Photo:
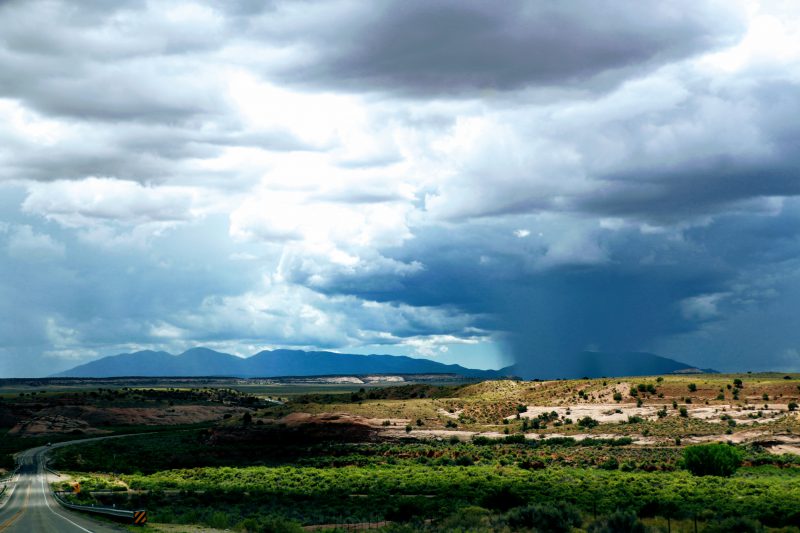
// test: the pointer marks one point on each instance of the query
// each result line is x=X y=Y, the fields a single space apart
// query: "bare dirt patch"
x=43 y=426
x=448 y=414
x=745 y=416
x=603 y=413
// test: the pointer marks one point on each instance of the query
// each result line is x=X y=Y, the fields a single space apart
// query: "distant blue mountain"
x=281 y=363
x=276 y=363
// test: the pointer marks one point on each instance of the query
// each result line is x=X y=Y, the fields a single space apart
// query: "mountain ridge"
x=198 y=362
x=201 y=361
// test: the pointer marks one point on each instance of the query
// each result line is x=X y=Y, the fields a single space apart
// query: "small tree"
x=792 y=406
x=712 y=459
x=617 y=397
x=692 y=387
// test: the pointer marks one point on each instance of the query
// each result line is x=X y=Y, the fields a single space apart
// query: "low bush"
x=712 y=459
x=556 y=518
x=619 y=522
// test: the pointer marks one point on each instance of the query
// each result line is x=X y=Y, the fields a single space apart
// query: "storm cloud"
x=477 y=183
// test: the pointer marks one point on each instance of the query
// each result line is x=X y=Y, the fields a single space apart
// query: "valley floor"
x=489 y=456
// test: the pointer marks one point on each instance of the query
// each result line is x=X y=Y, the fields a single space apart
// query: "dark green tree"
x=712 y=459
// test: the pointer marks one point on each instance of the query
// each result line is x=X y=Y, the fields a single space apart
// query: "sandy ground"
x=778 y=444
x=785 y=448
x=613 y=412
x=713 y=413
x=448 y=414
x=602 y=412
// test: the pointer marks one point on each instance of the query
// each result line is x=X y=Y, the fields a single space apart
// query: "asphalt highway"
x=28 y=506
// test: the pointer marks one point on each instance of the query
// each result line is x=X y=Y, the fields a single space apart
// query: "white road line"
x=47 y=503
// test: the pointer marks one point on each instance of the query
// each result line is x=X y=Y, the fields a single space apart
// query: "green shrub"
x=737 y=524
x=556 y=518
x=692 y=387
x=619 y=522
x=712 y=459
x=502 y=499
x=472 y=518
x=219 y=520
x=610 y=464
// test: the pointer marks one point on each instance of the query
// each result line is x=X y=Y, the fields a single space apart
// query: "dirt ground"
x=613 y=412
x=90 y=420
x=602 y=412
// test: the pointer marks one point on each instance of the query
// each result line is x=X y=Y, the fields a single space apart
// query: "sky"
x=473 y=182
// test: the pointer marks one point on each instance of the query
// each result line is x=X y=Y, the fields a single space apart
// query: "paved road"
x=29 y=507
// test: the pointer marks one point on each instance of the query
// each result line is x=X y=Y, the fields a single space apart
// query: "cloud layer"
x=472 y=182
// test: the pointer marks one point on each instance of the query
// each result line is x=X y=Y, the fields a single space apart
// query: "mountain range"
x=282 y=363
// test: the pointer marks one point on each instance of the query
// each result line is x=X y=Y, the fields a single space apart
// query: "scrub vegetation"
x=491 y=456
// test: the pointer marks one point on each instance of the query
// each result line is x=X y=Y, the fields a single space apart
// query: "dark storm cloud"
x=722 y=178
x=673 y=194
x=640 y=294
x=455 y=47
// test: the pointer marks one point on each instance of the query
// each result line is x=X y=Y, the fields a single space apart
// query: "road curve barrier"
x=138 y=517
x=10 y=475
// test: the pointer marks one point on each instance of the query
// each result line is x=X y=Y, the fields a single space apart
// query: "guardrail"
x=138 y=517
x=10 y=475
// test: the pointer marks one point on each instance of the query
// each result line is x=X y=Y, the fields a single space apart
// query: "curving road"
x=29 y=507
